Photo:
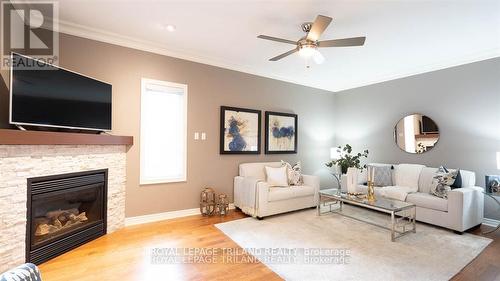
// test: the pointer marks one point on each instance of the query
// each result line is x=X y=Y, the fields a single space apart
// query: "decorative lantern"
x=207 y=202
x=222 y=205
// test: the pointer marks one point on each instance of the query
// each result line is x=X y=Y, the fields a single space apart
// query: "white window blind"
x=163 y=132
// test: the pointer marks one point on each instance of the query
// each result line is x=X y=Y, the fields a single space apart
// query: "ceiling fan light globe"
x=306 y=51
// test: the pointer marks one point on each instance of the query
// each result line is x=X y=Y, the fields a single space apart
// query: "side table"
x=492 y=196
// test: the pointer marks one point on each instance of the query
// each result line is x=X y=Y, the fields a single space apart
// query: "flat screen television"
x=428 y=126
x=49 y=96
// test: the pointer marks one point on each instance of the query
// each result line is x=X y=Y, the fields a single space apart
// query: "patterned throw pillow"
x=294 y=173
x=383 y=174
x=442 y=181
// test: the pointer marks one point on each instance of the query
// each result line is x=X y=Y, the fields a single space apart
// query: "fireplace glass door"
x=64 y=211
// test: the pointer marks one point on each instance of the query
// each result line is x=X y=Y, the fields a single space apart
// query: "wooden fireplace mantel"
x=12 y=137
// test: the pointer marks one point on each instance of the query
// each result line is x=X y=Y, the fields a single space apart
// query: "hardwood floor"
x=123 y=255
x=486 y=267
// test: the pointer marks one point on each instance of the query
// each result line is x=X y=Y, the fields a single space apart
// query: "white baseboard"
x=164 y=216
x=491 y=222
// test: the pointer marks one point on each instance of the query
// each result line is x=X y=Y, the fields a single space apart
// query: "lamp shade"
x=498 y=160
x=334 y=153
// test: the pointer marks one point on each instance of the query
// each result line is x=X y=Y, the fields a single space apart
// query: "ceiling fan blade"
x=318 y=27
x=346 y=42
x=284 y=54
x=277 y=39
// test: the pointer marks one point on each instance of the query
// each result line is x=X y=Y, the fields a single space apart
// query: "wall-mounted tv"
x=50 y=96
x=428 y=126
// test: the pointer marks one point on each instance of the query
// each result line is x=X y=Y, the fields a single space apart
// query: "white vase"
x=352 y=180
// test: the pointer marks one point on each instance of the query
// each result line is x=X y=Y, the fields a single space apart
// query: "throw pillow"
x=294 y=173
x=458 y=181
x=277 y=176
x=442 y=181
x=407 y=175
x=382 y=174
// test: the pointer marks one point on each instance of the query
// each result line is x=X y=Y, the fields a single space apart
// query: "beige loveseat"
x=254 y=196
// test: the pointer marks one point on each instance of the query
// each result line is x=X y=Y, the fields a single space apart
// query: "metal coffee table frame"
x=400 y=217
x=492 y=195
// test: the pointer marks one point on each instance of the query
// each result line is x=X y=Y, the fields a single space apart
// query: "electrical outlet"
x=203 y=136
x=196 y=136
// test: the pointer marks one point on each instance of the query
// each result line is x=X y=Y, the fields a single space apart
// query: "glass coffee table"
x=403 y=214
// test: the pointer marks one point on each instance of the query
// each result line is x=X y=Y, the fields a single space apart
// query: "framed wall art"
x=239 y=130
x=281 y=133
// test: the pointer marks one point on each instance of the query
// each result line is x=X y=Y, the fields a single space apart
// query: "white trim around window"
x=163 y=139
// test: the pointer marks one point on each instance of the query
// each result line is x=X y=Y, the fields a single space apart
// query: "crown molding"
x=152 y=47
x=475 y=57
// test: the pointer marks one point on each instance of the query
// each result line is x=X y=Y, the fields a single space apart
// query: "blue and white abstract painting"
x=282 y=133
x=241 y=131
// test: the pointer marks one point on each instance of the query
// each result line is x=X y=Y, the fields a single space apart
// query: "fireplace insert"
x=64 y=212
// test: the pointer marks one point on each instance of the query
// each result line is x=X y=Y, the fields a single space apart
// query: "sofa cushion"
x=256 y=170
x=458 y=181
x=382 y=174
x=442 y=182
x=285 y=193
x=276 y=176
x=468 y=178
x=408 y=175
x=364 y=189
x=395 y=192
x=428 y=201
x=24 y=272
x=294 y=173
x=425 y=179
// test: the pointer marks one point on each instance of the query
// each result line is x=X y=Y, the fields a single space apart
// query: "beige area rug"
x=430 y=254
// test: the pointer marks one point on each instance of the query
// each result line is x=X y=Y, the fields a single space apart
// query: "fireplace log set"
x=55 y=221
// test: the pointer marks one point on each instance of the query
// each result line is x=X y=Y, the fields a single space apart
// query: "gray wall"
x=464 y=101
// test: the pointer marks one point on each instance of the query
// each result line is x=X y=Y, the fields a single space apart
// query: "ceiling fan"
x=308 y=45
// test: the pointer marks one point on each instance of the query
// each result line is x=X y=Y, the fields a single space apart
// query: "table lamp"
x=335 y=153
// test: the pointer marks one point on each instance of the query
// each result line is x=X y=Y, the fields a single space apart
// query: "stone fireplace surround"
x=19 y=162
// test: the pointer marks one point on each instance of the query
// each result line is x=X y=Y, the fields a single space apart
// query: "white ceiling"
x=403 y=37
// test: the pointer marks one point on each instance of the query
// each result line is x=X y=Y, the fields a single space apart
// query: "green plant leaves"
x=347 y=160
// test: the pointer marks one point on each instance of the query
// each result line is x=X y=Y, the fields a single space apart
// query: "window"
x=163 y=132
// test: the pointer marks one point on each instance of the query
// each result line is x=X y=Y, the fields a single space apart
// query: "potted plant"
x=347 y=160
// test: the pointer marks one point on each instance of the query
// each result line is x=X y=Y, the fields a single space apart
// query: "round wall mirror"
x=416 y=133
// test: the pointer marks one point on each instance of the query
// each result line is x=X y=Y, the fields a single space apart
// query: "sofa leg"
x=260 y=218
x=458 y=232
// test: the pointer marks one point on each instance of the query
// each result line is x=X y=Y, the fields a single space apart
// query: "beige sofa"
x=463 y=209
x=254 y=196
